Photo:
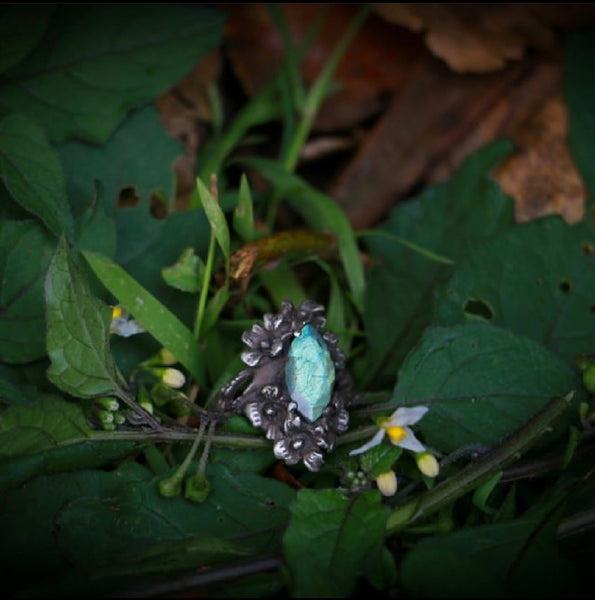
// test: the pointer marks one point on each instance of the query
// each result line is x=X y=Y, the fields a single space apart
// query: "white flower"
x=396 y=426
x=122 y=324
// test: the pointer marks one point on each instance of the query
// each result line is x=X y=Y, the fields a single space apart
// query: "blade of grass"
x=153 y=316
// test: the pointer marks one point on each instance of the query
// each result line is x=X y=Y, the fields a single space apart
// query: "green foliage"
x=77 y=332
x=443 y=219
x=25 y=251
x=480 y=382
x=333 y=539
x=488 y=323
x=94 y=63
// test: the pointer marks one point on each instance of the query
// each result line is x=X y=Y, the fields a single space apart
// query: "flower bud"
x=108 y=403
x=197 y=488
x=387 y=483
x=427 y=464
x=166 y=357
x=173 y=378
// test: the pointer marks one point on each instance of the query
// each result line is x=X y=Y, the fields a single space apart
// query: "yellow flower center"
x=116 y=312
x=397 y=434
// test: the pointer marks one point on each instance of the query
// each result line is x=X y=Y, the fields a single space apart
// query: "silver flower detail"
x=261 y=393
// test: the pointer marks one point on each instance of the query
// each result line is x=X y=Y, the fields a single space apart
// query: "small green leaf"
x=321 y=213
x=243 y=217
x=96 y=62
x=78 y=332
x=155 y=318
x=21 y=28
x=481 y=383
x=186 y=274
x=26 y=248
x=482 y=493
x=331 y=540
x=215 y=216
x=33 y=175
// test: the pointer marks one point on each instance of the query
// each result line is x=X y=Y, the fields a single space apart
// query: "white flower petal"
x=407 y=415
x=370 y=444
x=411 y=442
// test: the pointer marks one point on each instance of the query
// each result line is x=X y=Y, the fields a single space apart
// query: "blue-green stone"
x=310 y=373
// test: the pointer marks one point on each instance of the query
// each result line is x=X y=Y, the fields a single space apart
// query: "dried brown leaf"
x=480 y=38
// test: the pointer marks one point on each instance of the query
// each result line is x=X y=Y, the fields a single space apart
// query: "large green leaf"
x=153 y=316
x=399 y=294
x=480 y=382
x=78 y=332
x=537 y=279
x=110 y=524
x=25 y=251
x=97 y=61
x=32 y=173
x=331 y=540
x=49 y=435
x=579 y=94
x=518 y=559
x=21 y=30
x=139 y=155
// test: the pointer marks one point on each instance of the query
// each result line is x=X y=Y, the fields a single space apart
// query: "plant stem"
x=476 y=473
x=204 y=290
x=319 y=90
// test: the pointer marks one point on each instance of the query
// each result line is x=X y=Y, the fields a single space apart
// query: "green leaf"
x=49 y=435
x=30 y=552
x=102 y=525
x=32 y=173
x=480 y=382
x=153 y=316
x=321 y=213
x=243 y=217
x=518 y=559
x=25 y=251
x=186 y=274
x=78 y=332
x=444 y=219
x=21 y=28
x=538 y=279
x=331 y=540
x=139 y=156
x=579 y=95
x=215 y=216
x=96 y=62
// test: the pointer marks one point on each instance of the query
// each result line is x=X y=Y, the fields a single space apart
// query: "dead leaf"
x=541 y=175
x=184 y=110
x=377 y=62
x=479 y=38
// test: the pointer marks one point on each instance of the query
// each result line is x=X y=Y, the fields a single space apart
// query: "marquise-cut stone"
x=310 y=373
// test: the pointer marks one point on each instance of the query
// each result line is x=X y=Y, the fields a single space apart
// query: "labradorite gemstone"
x=309 y=373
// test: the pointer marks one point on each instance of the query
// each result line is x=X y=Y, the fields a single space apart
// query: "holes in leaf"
x=565 y=286
x=128 y=197
x=588 y=248
x=476 y=308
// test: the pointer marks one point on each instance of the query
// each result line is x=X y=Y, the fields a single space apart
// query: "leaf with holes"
x=401 y=284
x=537 y=279
x=97 y=61
x=481 y=383
x=137 y=159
